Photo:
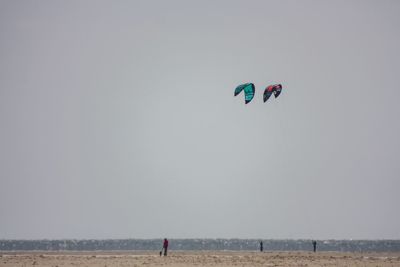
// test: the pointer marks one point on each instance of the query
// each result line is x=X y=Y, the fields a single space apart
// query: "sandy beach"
x=194 y=258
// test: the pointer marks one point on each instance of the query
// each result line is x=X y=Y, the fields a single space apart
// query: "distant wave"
x=201 y=244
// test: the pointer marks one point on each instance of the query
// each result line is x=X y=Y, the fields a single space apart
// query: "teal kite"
x=248 y=89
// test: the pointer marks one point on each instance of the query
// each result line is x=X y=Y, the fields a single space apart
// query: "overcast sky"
x=117 y=119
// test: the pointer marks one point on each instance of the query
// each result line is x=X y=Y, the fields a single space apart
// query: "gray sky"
x=118 y=119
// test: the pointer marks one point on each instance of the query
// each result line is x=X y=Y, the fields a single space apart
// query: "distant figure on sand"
x=165 y=246
x=261 y=246
x=314 y=243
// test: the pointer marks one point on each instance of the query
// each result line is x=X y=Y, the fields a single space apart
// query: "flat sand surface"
x=197 y=258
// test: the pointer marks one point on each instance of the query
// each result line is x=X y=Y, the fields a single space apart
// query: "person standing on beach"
x=261 y=246
x=165 y=246
x=314 y=243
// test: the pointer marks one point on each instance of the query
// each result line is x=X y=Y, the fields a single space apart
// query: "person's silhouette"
x=165 y=246
x=314 y=243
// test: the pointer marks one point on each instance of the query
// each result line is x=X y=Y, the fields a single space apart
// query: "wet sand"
x=195 y=258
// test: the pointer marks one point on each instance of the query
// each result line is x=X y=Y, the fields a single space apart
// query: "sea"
x=201 y=244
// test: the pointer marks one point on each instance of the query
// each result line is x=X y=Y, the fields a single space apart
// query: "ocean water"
x=201 y=244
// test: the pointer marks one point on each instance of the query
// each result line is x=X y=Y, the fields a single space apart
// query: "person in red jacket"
x=165 y=246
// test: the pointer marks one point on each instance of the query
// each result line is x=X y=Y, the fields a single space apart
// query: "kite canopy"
x=275 y=89
x=248 y=89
